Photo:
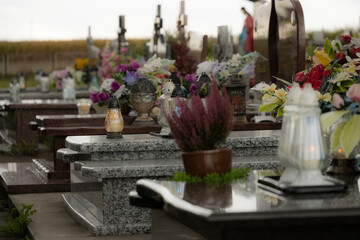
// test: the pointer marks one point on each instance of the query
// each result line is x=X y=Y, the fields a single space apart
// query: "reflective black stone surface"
x=231 y=211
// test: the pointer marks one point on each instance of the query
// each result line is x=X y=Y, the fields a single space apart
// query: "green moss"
x=213 y=179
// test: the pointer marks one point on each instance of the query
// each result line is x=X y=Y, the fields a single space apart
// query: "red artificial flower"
x=315 y=76
x=341 y=57
x=353 y=51
x=300 y=78
x=345 y=38
x=326 y=73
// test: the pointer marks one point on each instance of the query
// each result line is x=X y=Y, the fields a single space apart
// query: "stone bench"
x=106 y=210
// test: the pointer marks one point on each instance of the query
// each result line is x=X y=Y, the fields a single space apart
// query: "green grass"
x=5 y=81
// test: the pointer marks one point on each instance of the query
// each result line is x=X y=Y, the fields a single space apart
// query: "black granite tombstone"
x=279 y=35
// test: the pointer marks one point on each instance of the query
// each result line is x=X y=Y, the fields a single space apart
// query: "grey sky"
x=69 y=19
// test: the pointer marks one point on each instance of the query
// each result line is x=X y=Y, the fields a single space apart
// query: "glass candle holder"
x=114 y=122
x=83 y=107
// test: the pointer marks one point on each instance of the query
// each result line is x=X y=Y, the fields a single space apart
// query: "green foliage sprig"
x=18 y=226
x=213 y=179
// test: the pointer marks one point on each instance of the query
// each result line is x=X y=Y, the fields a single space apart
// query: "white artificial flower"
x=120 y=91
x=342 y=76
x=205 y=67
x=106 y=84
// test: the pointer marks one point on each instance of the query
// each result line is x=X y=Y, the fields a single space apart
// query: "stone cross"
x=157 y=28
x=182 y=22
x=122 y=44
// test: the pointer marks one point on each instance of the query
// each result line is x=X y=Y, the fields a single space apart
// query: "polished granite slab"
x=23 y=177
x=89 y=144
x=145 y=146
x=235 y=211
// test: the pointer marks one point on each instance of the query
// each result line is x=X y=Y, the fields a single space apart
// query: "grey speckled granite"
x=68 y=156
x=145 y=146
x=162 y=167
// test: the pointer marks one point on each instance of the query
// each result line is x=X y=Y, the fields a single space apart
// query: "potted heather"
x=201 y=129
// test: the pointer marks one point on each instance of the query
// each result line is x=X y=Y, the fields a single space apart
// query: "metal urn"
x=143 y=96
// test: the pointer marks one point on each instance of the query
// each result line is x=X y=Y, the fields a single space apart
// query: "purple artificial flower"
x=58 y=84
x=134 y=66
x=190 y=78
x=179 y=74
x=94 y=97
x=131 y=77
x=115 y=86
x=193 y=89
x=103 y=96
x=122 y=67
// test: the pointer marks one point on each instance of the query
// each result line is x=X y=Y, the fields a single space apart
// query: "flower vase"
x=201 y=163
x=143 y=97
x=100 y=109
x=78 y=76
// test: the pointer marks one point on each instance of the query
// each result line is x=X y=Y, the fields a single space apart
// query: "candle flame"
x=312 y=148
x=339 y=150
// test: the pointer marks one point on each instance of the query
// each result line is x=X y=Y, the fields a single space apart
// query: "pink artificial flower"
x=61 y=74
x=193 y=89
x=354 y=92
x=134 y=66
x=190 y=78
x=338 y=101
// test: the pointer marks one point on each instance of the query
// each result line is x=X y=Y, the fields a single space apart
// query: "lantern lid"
x=204 y=79
x=177 y=92
x=143 y=85
x=114 y=103
x=174 y=78
x=68 y=75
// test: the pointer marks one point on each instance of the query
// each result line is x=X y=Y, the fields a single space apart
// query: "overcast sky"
x=69 y=19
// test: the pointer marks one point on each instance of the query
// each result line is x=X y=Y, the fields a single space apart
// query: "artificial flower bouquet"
x=333 y=69
x=220 y=72
x=124 y=77
x=55 y=79
x=119 y=78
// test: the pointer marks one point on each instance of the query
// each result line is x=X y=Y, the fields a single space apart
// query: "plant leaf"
x=328 y=48
x=350 y=135
x=337 y=45
x=329 y=118
x=268 y=107
x=283 y=81
x=280 y=111
x=335 y=137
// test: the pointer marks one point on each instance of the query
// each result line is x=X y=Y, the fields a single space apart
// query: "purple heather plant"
x=197 y=127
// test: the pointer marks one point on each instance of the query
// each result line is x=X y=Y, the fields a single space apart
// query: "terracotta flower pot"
x=201 y=163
